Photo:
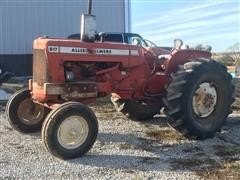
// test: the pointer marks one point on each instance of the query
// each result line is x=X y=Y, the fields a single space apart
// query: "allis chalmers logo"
x=97 y=51
x=79 y=50
x=103 y=51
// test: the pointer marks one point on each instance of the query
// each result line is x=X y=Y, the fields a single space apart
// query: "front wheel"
x=199 y=98
x=23 y=114
x=70 y=130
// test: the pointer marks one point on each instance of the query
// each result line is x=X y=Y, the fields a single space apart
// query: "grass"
x=227 y=166
x=166 y=134
x=126 y=146
x=227 y=170
x=225 y=151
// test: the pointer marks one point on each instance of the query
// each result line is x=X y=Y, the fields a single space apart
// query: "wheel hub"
x=73 y=132
x=204 y=100
x=30 y=112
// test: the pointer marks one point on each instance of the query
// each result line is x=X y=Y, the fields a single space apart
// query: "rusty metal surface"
x=40 y=73
x=76 y=95
x=72 y=90
x=126 y=79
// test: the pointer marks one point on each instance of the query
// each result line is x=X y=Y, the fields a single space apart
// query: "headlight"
x=69 y=75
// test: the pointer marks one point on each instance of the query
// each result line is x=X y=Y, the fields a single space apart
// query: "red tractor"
x=194 y=90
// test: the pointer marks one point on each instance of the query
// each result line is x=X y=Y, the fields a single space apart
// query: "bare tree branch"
x=234 y=52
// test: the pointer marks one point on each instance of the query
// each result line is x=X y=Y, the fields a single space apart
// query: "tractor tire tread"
x=175 y=94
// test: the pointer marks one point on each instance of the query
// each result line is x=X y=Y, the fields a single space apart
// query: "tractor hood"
x=67 y=46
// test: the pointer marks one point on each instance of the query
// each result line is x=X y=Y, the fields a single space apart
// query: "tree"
x=226 y=59
x=234 y=52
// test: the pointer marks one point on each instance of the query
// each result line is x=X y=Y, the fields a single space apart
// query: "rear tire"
x=136 y=110
x=70 y=130
x=23 y=114
x=199 y=98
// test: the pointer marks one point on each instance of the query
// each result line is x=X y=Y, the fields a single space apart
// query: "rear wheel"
x=23 y=114
x=136 y=110
x=70 y=130
x=199 y=98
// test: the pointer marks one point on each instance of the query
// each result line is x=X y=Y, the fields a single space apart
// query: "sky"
x=207 y=22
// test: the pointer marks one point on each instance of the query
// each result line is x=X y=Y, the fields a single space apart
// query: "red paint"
x=128 y=76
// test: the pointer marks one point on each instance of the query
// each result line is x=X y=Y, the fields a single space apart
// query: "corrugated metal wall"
x=21 y=21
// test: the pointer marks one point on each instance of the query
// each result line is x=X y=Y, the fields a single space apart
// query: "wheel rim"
x=72 y=132
x=204 y=100
x=29 y=112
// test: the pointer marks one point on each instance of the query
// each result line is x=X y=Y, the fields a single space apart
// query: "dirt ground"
x=217 y=158
x=127 y=149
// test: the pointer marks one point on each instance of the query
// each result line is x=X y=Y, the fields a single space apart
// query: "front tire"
x=23 y=114
x=70 y=130
x=199 y=98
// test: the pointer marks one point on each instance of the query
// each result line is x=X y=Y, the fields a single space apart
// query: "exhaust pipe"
x=89 y=7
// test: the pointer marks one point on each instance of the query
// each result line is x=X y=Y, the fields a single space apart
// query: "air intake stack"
x=88 y=25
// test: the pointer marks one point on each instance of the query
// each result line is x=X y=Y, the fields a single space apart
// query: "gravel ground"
x=125 y=150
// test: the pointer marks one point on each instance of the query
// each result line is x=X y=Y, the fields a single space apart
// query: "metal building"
x=21 y=21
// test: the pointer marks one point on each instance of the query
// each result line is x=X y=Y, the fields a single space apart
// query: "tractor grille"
x=40 y=73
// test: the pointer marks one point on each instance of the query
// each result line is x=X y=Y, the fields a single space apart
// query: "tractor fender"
x=179 y=57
